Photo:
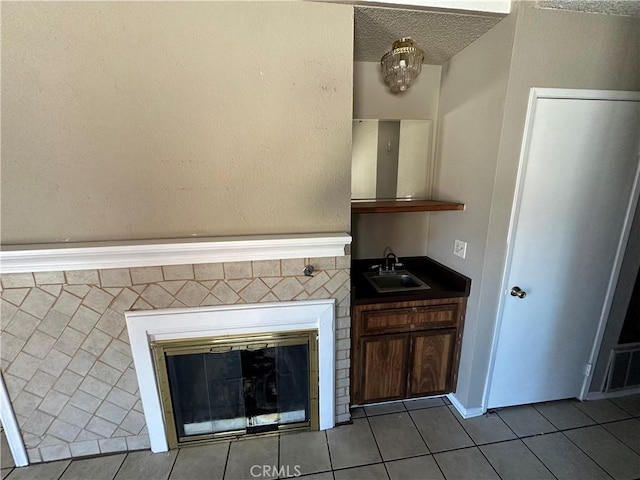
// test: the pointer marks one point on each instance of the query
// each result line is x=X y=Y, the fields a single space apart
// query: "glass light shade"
x=402 y=65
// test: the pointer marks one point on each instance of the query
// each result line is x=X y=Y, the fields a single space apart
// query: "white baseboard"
x=464 y=411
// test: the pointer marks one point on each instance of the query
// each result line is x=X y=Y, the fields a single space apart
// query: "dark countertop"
x=444 y=282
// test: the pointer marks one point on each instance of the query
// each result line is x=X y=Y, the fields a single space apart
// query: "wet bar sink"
x=395 y=281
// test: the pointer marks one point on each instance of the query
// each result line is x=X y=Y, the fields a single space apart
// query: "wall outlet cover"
x=459 y=248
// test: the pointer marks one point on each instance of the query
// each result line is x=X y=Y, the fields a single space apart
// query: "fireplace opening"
x=217 y=387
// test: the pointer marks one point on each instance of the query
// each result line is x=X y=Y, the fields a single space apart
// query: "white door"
x=575 y=199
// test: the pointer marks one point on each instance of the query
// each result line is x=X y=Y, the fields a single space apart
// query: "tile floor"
x=421 y=439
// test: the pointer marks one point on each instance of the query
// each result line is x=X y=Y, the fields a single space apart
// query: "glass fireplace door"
x=213 y=388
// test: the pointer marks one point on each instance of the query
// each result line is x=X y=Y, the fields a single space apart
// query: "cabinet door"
x=384 y=367
x=431 y=362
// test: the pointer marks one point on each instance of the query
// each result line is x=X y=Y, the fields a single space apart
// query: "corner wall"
x=141 y=120
x=472 y=102
x=551 y=48
x=406 y=233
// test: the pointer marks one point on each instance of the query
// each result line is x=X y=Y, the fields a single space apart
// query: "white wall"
x=406 y=233
x=551 y=48
x=137 y=120
x=472 y=101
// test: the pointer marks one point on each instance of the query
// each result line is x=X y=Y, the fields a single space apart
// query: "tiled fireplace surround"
x=66 y=359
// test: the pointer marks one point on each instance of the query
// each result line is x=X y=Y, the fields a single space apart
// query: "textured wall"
x=137 y=120
x=65 y=352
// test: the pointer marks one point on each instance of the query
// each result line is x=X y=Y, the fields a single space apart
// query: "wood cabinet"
x=405 y=349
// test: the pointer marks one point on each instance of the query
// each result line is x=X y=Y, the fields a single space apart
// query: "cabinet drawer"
x=408 y=319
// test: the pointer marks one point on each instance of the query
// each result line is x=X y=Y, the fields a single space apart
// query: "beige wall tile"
x=39 y=344
x=45 y=278
x=287 y=289
x=22 y=325
x=10 y=346
x=67 y=303
x=16 y=280
x=236 y=270
x=84 y=277
x=115 y=277
x=208 y=271
x=192 y=294
x=225 y=294
x=293 y=266
x=254 y=291
x=323 y=263
x=157 y=296
x=97 y=300
x=85 y=448
x=146 y=275
x=24 y=366
x=55 y=362
x=178 y=272
x=266 y=268
x=37 y=303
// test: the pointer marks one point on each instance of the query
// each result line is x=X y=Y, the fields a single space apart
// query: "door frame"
x=560 y=93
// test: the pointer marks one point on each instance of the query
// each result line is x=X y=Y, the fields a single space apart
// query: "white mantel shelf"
x=103 y=255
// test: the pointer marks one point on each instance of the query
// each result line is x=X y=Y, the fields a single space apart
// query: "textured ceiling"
x=613 y=7
x=440 y=35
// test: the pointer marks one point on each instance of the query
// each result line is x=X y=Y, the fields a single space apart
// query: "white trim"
x=603 y=395
x=96 y=255
x=11 y=428
x=534 y=95
x=146 y=326
x=464 y=411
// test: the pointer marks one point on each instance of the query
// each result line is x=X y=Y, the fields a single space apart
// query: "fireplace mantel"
x=104 y=255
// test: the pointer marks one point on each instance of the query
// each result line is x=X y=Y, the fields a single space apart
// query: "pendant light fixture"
x=402 y=64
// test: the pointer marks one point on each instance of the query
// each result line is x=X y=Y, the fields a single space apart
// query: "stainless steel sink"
x=395 y=281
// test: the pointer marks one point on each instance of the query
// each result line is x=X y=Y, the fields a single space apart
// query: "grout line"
x=588 y=456
x=226 y=462
x=175 y=460
x=378 y=447
x=121 y=464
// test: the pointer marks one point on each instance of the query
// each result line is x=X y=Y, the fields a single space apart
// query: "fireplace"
x=214 y=388
x=238 y=340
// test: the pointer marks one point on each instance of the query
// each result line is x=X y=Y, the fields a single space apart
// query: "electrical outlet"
x=460 y=248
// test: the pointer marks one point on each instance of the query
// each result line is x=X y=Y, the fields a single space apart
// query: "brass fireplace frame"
x=221 y=344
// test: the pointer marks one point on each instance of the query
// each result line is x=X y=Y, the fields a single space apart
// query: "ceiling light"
x=402 y=64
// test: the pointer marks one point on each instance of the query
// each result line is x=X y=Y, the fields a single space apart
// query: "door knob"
x=518 y=292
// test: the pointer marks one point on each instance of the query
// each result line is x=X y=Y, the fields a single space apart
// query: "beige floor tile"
x=602 y=410
x=40 y=471
x=525 y=420
x=397 y=436
x=384 y=408
x=352 y=445
x=465 y=464
x=440 y=429
x=144 y=464
x=630 y=404
x=98 y=468
x=423 y=403
x=205 y=461
x=514 y=461
x=259 y=454
x=628 y=431
x=563 y=458
x=615 y=457
x=304 y=452
x=368 y=472
x=486 y=428
x=424 y=467
x=564 y=414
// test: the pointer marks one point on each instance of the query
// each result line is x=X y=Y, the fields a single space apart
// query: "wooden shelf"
x=398 y=205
